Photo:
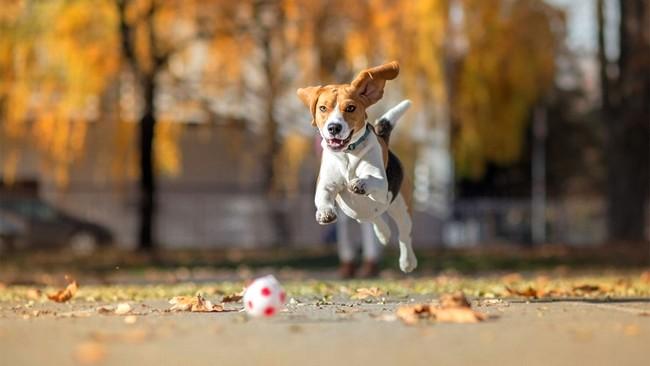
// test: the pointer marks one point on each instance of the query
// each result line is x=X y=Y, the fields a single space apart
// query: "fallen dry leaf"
x=65 y=294
x=530 y=292
x=587 y=288
x=458 y=315
x=364 y=293
x=90 y=353
x=193 y=303
x=411 y=314
x=453 y=308
x=455 y=300
x=233 y=297
x=105 y=309
x=123 y=308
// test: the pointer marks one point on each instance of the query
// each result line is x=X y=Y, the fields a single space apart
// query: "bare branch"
x=605 y=82
x=158 y=58
x=126 y=37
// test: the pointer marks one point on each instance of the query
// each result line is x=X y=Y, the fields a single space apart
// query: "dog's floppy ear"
x=369 y=84
x=309 y=96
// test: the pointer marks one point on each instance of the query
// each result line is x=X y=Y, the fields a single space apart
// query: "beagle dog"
x=358 y=171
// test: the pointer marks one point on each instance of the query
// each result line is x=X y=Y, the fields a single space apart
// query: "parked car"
x=45 y=226
x=12 y=230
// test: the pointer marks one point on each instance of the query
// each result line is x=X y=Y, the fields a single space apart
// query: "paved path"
x=345 y=333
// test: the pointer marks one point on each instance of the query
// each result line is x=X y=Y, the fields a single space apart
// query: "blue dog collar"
x=360 y=141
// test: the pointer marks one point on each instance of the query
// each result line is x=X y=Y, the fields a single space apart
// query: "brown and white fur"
x=358 y=179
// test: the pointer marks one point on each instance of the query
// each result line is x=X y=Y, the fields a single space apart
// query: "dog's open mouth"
x=338 y=144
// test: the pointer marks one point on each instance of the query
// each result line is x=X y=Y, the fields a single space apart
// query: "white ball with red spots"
x=264 y=297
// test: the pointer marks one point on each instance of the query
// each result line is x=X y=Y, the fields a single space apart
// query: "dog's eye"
x=350 y=108
x=323 y=108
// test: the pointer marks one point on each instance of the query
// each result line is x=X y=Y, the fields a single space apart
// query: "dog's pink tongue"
x=336 y=142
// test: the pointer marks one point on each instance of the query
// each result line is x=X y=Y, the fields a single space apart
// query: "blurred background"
x=150 y=124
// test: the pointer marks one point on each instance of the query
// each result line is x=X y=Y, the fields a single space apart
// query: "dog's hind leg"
x=398 y=210
x=382 y=230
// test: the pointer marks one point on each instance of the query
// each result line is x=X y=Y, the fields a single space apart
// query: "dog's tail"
x=384 y=125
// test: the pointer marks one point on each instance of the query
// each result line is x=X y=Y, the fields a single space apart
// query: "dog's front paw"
x=357 y=186
x=325 y=216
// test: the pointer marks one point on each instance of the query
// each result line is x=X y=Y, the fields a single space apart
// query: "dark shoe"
x=346 y=270
x=369 y=270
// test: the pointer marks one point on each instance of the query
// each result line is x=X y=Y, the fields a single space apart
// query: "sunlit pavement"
x=330 y=330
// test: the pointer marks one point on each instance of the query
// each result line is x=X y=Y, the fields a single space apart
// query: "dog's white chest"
x=364 y=163
x=348 y=166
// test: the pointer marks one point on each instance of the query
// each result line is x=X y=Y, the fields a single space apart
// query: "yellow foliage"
x=60 y=58
x=413 y=32
x=504 y=73
x=505 y=61
x=168 y=156
x=55 y=60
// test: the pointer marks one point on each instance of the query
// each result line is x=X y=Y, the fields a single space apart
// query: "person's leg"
x=371 y=251
x=346 y=248
x=370 y=246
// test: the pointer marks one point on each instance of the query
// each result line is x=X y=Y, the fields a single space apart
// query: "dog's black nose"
x=334 y=128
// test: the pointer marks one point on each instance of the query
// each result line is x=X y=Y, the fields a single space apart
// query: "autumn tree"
x=473 y=75
x=478 y=69
x=151 y=33
x=146 y=59
x=59 y=59
x=53 y=66
x=267 y=29
x=503 y=74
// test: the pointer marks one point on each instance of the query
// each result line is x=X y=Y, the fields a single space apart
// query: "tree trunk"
x=277 y=199
x=147 y=169
x=626 y=108
x=270 y=18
